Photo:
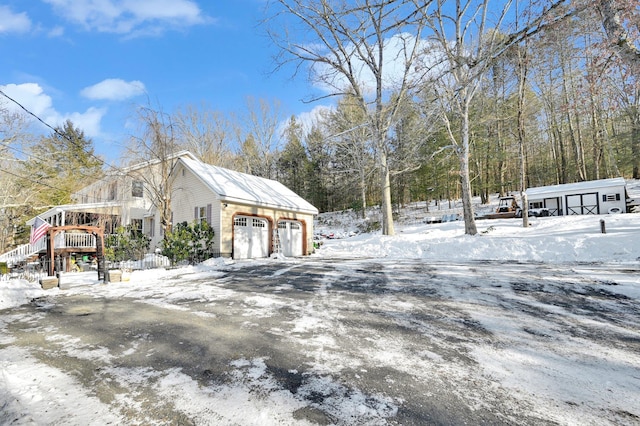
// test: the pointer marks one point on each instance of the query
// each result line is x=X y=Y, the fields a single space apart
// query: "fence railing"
x=77 y=240
x=150 y=261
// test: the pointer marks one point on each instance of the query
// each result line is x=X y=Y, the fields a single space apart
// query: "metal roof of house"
x=578 y=187
x=233 y=186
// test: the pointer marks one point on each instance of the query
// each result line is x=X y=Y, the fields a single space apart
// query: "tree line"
x=433 y=101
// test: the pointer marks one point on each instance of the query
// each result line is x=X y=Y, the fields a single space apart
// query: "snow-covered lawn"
x=545 y=354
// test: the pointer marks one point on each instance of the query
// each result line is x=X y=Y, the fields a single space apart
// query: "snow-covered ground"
x=574 y=240
x=548 y=239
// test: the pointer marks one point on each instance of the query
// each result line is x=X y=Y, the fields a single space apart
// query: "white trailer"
x=590 y=197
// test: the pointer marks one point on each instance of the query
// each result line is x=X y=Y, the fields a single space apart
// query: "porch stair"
x=63 y=240
x=23 y=253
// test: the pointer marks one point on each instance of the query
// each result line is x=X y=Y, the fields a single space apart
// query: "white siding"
x=188 y=193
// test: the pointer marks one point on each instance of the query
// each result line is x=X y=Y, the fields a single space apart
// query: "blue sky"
x=93 y=61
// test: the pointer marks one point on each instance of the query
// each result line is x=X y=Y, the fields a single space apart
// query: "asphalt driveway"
x=343 y=342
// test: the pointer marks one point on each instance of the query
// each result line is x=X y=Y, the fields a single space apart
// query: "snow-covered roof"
x=232 y=186
x=578 y=187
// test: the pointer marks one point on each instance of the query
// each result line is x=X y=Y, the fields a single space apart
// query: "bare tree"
x=256 y=132
x=468 y=44
x=348 y=47
x=351 y=142
x=16 y=201
x=522 y=71
x=467 y=38
x=156 y=145
x=206 y=133
x=621 y=22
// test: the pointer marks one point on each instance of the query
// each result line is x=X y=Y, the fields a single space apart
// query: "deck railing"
x=62 y=240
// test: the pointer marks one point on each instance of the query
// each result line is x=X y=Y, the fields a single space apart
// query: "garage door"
x=290 y=234
x=250 y=237
x=582 y=203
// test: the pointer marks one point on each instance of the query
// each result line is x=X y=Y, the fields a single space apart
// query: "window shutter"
x=209 y=214
x=195 y=213
x=618 y=197
x=604 y=197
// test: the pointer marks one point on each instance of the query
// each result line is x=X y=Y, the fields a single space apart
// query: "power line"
x=62 y=135
x=57 y=132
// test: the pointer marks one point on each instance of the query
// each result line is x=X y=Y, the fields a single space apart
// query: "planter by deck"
x=48 y=282
x=115 y=276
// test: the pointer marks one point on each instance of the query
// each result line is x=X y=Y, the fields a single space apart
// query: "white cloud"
x=114 y=89
x=132 y=17
x=306 y=120
x=13 y=22
x=32 y=97
x=56 y=31
x=88 y=121
x=311 y=118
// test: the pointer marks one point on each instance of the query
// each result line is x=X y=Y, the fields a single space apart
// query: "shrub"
x=192 y=243
x=126 y=244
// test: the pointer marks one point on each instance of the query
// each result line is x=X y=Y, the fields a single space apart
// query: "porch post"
x=50 y=251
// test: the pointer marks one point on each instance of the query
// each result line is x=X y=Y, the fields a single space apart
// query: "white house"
x=251 y=216
x=590 y=197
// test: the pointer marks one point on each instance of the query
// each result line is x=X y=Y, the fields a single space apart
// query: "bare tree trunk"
x=597 y=138
x=465 y=180
x=522 y=81
x=635 y=146
x=575 y=144
x=385 y=190
x=613 y=21
x=363 y=193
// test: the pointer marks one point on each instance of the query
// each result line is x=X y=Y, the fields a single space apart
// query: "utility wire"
x=57 y=132
x=62 y=135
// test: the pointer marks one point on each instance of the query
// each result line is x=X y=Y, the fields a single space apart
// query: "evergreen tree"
x=293 y=159
x=60 y=164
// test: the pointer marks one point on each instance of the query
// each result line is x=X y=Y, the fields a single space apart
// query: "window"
x=611 y=197
x=152 y=227
x=535 y=205
x=202 y=214
x=257 y=223
x=137 y=189
x=136 y=226
x=113 y=191
x=240 y=221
